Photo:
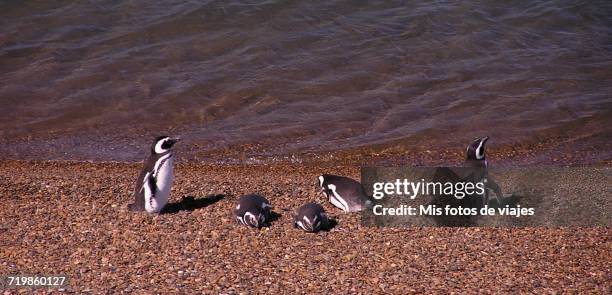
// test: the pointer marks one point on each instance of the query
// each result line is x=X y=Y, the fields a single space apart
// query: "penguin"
x=311 y=217
x=253 y=211
x=474 y=170
x=344 y=193
x=476 y=158
x=155 y=180
x=475 y=155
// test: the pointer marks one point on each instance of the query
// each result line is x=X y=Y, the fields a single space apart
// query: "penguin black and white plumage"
x=311 y=218
x=476 y=158
x=344 y=193
x=475 y=155
x=155 y=180
x=253 y=210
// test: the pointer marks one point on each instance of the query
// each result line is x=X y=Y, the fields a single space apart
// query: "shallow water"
x=99 y=79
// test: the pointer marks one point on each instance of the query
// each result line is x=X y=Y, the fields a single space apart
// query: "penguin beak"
x=484 y=139
x=174 y=140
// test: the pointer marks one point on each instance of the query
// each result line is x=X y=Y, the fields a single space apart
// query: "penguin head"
x=476 y=149
x=254 y=220
x=322 y=183
x=163 y=144
x=253 y=210
x=311 y=218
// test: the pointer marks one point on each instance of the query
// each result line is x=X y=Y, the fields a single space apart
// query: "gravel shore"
x=71 y=218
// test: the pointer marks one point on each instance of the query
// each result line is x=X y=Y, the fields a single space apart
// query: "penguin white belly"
x=337 y=200
x=164 y=178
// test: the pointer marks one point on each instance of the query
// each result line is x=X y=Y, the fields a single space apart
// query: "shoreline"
x=72 y=218
x=571 y=148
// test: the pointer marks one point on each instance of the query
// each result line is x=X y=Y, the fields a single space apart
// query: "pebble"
x=93 y=239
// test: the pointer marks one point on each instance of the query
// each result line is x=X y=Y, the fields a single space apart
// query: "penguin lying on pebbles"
x=344 y=193
x=253 y=210
x=311 y=218
x=155 y=180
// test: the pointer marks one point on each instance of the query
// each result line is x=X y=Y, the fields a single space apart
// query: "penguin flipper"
x=149 y=188
x=152 y=183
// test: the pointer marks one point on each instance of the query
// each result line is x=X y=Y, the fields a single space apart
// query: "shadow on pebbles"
x=71 y=218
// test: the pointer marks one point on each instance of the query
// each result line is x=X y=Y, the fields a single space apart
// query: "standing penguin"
x=311 y=218
x=476 y=158
x=344 y=193
x=155 y=180
x=253 y=210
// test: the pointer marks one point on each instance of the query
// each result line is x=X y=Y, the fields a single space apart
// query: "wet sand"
x=71 y=218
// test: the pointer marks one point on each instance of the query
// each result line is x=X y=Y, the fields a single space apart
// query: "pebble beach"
x=71 y=218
